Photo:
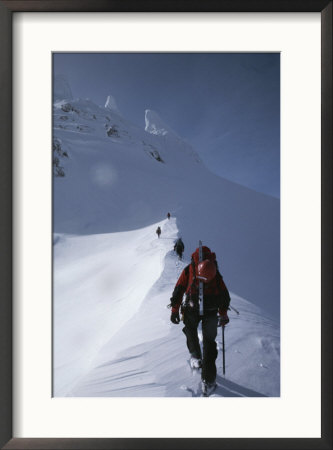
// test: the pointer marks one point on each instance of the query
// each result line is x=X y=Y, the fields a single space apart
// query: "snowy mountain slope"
x=119 y=177
x=113 y=184
x=136 y=350
x=91 y=300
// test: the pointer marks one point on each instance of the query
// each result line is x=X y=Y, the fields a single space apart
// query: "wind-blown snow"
x=113 y=278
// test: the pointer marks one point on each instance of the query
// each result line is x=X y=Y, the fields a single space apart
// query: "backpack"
x=179 y=245
x=215 y=292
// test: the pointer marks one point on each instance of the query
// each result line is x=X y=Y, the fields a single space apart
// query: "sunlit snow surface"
x=113 y=277
x=113 y=336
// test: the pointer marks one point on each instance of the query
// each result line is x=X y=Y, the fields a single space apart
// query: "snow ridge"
x=139 y=352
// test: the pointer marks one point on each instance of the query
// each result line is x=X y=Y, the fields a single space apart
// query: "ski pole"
x=223 y=350
x=234 y=309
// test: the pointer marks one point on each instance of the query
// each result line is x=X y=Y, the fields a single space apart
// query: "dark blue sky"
x=227 y=105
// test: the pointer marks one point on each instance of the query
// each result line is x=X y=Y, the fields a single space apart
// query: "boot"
x=208 y=388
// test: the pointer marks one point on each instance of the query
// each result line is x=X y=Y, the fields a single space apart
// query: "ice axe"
x=223 y=350
x=233 y=309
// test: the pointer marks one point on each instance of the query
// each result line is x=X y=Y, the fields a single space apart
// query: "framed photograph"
x=166 y=231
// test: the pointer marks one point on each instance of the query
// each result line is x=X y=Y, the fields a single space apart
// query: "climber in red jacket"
x=216 y=300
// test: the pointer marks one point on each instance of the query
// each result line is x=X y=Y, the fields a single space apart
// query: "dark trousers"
x=209 y=333
x=179 y=253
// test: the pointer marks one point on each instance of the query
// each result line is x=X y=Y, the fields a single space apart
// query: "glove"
x=173 y=302
x=175 y=317
x=223 y=319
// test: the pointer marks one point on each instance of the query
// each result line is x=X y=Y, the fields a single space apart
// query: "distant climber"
x=168 y=215
x=207 y=299
x=179 y=247
x=158 y=231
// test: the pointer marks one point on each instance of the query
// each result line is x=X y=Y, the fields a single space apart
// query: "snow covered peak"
x=155 y=125
x=111 y=104
x=61 y=89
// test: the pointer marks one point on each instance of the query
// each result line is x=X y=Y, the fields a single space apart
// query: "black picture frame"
x=7 y=9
